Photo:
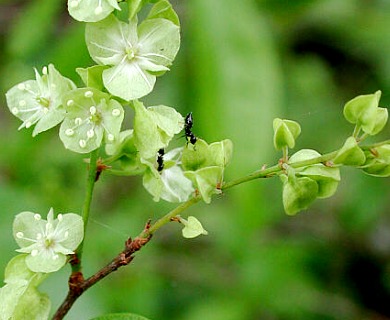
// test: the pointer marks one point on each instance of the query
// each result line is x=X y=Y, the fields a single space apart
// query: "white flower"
x=47 y=241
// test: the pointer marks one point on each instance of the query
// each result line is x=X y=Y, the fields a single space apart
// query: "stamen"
x=74 y=4
x=15 y=111
x=37 y=216
x=34 y=252
x=110 y=137
x=82 y=143
x=60 y=217
x=98 y=10
x=90 y=133
x=22 y=103
x=70 y=103
x=21 y=86
x=19 y=235
x=69 y=132
x=44 y=70
x=78 y=121
x=92 y=110
x=88 y=94
x=116 y=112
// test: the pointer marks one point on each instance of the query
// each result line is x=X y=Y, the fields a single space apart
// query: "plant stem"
x=271 y=171
x=87 y=202
x=167 y=218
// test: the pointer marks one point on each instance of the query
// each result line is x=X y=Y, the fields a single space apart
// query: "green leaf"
x=163 y=9
x=362 y=111
x=285 y=133
x=154 y=128
x=350 y=154
x=220 y=153
x=92 y=76
x=298 y=194
x=120 y=316
x=192 y=228
x=135 y=6
x=378 y=161
x=18 y=298
x=206 y=180
x=196 y=156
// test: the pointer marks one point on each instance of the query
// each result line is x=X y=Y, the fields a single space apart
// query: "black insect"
x=160 y=160
x=188 y=123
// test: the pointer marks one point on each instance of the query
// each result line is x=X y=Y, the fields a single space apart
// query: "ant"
x=160 y=160
x=188 y=123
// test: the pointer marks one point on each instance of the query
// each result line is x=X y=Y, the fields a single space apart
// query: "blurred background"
x=241 y=64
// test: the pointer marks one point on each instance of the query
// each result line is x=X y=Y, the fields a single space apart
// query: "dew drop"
x=92 y=110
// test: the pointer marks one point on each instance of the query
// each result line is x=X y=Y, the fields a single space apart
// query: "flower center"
x=131 y=53
x=44 y=102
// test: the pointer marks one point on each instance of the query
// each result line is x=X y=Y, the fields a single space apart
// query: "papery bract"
x=38 y=102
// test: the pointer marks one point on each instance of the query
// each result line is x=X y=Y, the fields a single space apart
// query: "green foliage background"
x=241 y=64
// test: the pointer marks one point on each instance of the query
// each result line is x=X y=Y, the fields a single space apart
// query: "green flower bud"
x=196 y=156
x=363 y=111
x=298 y=193
x=206 y=181
x=192 y=227
x=285 y=133
x=154 y=128
x=350 y=154
x=378 y=161
x=92 y=76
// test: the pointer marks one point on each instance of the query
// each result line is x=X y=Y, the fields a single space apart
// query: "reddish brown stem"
x=78 y=285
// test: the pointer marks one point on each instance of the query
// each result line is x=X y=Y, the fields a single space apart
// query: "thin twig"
x=78 y=285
